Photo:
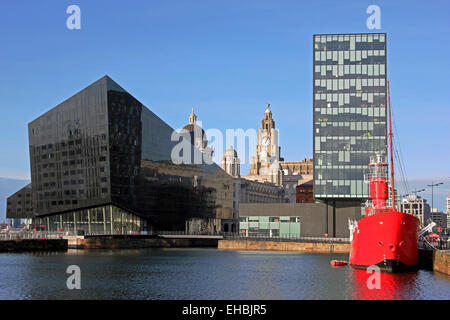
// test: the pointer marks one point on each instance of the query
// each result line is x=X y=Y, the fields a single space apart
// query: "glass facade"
x=101 y=220
x=349 y=111
x=102 y=147
x=264 y=226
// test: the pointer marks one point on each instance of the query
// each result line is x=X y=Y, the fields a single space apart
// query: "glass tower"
x=349 y=111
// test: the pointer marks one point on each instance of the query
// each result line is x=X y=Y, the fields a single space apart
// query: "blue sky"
x=227 y=59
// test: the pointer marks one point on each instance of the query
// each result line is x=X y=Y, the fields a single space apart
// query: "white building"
x=417 y=206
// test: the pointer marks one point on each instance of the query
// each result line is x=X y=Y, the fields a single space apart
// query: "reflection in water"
x=204 y=274
x=392 y=286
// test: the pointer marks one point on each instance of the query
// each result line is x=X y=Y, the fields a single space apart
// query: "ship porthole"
x=380 y=243
x=401 y=243
x=403 y=222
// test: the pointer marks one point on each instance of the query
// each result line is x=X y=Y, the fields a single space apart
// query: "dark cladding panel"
x=69 y=153
x=19 y=205
x=144 y=179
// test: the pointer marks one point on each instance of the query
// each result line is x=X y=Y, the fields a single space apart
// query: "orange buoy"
x=338 y=263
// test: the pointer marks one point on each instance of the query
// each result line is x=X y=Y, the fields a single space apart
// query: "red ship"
x=385 y=237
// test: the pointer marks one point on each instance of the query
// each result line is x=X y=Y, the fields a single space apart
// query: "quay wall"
x=136 y=243
x=23 y=245
x=284 y=246
x=435 y=260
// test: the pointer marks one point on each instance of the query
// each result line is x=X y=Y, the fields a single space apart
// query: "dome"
x=192 y=128
x=230 y=152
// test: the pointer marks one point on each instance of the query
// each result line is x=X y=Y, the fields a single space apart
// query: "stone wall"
x=33 y=245
x=435 y=260
x=136 y=243
x=284 y=246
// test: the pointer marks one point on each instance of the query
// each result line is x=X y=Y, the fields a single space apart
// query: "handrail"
x=28 y=234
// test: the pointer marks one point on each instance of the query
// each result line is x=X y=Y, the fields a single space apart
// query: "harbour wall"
x=23 y=245
x=79 y=242
x=435 y=260
x=284 y=246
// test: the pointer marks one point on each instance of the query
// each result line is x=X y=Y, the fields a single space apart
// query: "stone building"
x=265 y=165
x=246 y=190
x=268 y=166
x=231 y=163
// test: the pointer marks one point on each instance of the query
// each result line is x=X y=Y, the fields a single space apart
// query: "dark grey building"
x=102 y=162
x=349 y=112
x=19 y=205
x=296 y=219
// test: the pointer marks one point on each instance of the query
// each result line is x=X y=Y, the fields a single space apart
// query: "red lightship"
x=385 y=237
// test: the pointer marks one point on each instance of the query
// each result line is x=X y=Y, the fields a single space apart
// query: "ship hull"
x=388 y=240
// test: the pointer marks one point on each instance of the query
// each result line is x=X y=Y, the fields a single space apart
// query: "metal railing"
x=29 y=234
x=285 y=238
x=19 y=235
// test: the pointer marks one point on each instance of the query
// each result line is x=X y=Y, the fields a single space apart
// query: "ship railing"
x=370 y=204
x=368 y=176
x=374 y=210
x=378 y=158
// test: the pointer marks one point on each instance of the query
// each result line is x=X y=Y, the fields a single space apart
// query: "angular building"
x=350 y=114
x=101 y=162
x=19 y=205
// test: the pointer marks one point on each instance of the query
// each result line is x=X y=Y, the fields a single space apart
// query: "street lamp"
x=413 y=191
x=417 y=191
x=432 y=185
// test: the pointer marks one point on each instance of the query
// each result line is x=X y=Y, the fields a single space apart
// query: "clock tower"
x=265 y=163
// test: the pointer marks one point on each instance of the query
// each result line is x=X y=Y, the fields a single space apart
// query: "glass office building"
x=349 y=111
x=101 y=160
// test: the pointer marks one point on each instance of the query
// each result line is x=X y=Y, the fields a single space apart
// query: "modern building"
x=349 y=113
x=440 y=218
x=102 y=162
x=270 y=226
x=19 y=205
x=417 y=206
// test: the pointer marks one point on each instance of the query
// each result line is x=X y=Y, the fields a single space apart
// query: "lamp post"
x=432 y=185
x=417 y=191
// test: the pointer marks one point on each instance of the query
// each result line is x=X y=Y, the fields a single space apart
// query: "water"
x=204 y=274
